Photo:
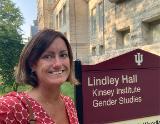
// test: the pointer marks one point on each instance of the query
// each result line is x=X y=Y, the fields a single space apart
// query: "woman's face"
x=53 y=67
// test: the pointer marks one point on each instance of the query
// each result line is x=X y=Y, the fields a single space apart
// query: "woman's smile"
x=53 y=65
x=55 y=72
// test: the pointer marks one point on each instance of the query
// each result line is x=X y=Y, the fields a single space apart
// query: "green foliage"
x=8 y=88
x=24 y=87
x=10 y=16
x=68 y=90
x=10 y=39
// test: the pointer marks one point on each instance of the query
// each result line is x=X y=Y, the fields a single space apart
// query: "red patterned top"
x=15 y=110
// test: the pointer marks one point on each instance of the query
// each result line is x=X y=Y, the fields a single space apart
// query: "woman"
x=45 y=64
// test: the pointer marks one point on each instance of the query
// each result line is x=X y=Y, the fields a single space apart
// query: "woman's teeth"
x=55 y=72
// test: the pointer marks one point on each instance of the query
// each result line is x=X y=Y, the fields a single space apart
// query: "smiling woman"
x=45 y=63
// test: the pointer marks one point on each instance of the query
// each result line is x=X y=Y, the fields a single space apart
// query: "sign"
x=123 y=88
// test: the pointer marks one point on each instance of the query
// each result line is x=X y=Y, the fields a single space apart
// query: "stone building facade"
x=44 y=15
x=102 y=29
x=71 y=18
x=128 y=24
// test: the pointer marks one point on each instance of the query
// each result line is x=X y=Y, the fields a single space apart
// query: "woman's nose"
x=57 y=62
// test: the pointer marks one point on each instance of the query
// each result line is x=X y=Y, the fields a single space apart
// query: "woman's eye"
x=64 y=55
x=47 y=57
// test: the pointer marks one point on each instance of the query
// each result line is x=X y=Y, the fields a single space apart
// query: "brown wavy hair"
x=33 y=51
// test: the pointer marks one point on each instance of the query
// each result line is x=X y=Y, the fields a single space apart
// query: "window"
x=123 y=38
x=100 y=15
x=155 y=29
x=57 y=22
x=51 y=21
x=60 y=19
x=116 y=1
x=93 y=21
x=64 y=14
x=151 y=31
x=93 y=51
x=101 y=49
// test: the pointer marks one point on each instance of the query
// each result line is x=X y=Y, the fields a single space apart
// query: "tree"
x=10 y=39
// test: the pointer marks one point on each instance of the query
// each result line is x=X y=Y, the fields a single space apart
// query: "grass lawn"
x=67 y=89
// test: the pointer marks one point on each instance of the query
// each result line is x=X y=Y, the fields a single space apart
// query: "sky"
x=28 y=9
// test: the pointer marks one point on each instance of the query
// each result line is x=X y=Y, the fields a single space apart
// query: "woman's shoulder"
x=67 y=99
x=12 y=101
x=70 y=106
x=68 y=102
x=11 y=98
x=12 y=108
